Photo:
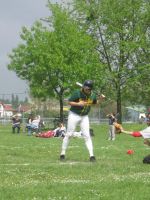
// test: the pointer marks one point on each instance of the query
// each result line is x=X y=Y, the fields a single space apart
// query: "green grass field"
x=31 y=170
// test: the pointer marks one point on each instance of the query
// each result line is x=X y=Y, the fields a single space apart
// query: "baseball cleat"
x=62 y=157
x=92 y=159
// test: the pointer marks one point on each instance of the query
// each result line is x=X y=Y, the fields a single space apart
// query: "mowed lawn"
x=31 y=170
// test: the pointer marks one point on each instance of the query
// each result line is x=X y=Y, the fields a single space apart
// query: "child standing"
x=112 y=129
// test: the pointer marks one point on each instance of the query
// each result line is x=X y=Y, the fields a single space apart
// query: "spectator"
x=111 y=120
x=29 y=122
x=34 y=126
x=60 y=130
x=41 y=125
x=148 y=119
x=16 y=122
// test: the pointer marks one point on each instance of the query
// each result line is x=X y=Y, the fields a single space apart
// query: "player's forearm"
x=73 y=103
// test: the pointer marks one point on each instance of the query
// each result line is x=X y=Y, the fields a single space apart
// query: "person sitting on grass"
x=29 y=122
x=16 y=122
x=60 y=130
x=34 y=126
x=47 y=134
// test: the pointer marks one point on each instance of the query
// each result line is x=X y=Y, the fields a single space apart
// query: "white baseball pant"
x=73 y=120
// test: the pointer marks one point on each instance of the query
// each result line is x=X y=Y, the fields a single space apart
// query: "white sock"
x=89 y=146
x=64 y=145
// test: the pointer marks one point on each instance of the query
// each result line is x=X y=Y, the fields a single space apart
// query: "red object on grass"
x=130 y=151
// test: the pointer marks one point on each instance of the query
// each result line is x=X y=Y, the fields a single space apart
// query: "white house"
x=6 y=110
x=1 y=110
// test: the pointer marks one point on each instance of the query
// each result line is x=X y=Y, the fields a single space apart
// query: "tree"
x=53 y=57
x=121 y=28
x=14 y=101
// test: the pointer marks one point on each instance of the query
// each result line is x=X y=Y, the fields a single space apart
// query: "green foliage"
x=30 y=167
x=53 y=57
x=122 y=32
x=92 y=40
x=15 y=101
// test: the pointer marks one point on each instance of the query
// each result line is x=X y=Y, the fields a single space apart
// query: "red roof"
x=8 y=107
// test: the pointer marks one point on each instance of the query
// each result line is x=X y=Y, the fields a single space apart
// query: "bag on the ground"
x=146 y=159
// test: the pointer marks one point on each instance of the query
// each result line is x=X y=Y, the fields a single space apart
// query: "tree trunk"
x=61 y=108
x=119 y=108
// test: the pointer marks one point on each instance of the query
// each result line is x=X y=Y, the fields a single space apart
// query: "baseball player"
x=80 y=102
x=145 y=133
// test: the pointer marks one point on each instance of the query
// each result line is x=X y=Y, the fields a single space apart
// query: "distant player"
x=80 y=102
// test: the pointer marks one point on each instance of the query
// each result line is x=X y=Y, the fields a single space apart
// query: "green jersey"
x=78 y=96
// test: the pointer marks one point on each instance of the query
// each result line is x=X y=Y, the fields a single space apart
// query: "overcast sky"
x=14 y=14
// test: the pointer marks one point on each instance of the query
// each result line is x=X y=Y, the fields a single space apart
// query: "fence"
x=51 y=123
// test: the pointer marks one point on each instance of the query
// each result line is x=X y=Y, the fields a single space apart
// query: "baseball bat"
x=79 y=84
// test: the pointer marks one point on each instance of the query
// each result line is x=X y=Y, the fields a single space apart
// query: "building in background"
x=6 y=110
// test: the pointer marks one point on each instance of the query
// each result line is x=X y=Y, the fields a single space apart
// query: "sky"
x=14 y=14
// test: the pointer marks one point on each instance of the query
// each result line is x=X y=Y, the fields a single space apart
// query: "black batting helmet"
x=88 y=83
